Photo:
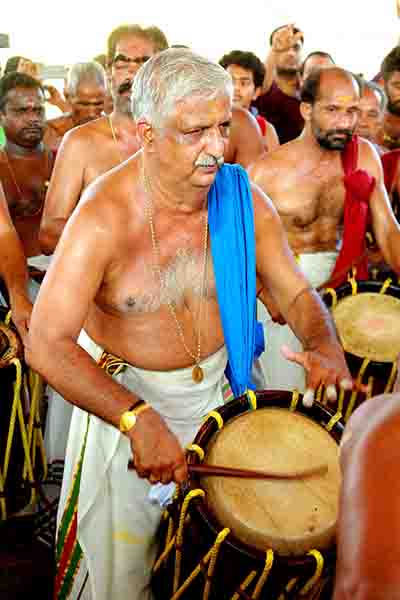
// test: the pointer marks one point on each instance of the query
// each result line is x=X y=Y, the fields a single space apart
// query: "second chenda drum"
x=367 y=318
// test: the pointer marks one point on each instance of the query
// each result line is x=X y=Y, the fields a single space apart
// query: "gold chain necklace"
x=16 y=185
x=121 y=158
x=197 y=372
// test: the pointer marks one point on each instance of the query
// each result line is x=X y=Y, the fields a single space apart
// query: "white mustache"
x=210 y=161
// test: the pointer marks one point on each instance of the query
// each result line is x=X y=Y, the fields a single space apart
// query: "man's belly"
x=154 y=342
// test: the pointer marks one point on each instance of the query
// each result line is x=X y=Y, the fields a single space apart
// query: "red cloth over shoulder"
x=262 y=124
x=359 y=186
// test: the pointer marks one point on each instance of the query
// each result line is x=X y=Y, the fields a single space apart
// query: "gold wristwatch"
x=129 y=417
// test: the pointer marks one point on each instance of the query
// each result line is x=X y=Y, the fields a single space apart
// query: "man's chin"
x=288 y=71
x=335 y=144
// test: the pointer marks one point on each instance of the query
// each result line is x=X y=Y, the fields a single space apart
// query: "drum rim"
x=363 y=286
x=265 y=399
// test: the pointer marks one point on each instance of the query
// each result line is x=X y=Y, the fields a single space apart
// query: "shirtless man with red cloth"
x=326 y=184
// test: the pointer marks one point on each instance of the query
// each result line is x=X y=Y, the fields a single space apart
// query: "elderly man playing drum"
x=158 y=264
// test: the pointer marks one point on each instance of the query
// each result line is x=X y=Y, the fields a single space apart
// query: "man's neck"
x=122 y=122
x=288 y=84
x=171 y=196
x=16 y=150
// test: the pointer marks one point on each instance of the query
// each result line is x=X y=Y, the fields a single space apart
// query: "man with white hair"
x=133 y=268
x=85 y=91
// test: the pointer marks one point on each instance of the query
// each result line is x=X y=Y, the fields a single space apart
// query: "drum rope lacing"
x=31 y=434
x=354 y=394
x=210 y=559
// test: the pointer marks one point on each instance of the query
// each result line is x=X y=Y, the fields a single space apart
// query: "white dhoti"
x=116 y=522
x=272 y=371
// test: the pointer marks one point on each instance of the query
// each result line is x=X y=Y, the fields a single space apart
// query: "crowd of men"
x=168 y=186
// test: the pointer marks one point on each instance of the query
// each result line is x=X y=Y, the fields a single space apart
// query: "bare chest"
x=142 y=284
x=308 y=200
x=25 y=187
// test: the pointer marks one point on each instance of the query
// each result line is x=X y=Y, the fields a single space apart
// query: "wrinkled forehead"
x=202 y=110
x=25 y=97
x=134 y=46
x=88 y=89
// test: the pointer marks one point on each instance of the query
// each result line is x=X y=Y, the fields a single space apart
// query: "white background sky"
x=358 y=33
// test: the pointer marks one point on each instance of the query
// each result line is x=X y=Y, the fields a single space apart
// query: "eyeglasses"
x=122 y=62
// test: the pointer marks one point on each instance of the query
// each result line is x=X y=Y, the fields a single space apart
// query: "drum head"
x=289 y=516
x=369 y=325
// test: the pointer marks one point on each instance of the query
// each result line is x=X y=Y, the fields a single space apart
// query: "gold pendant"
x=197 y=374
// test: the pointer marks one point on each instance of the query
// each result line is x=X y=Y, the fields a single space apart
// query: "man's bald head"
x=321 y=82
x=330 y=100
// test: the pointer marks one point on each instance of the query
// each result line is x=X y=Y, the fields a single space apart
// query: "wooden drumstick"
x=215 y=470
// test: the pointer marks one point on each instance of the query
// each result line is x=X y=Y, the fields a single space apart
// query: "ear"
x=306 y=111
x=145 y=132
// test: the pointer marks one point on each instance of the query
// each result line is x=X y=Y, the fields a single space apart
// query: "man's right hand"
x=158 y=455
x=21 y=309
x=286 y=37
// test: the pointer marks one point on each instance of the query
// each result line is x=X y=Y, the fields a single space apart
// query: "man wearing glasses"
x=85 y=153
x=96 y=147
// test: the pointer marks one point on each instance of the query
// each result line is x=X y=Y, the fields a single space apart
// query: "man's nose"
x=346 y=120
x=133 y=68
x=215 y=143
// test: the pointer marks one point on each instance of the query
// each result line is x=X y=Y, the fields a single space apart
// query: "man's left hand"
x=325 y=365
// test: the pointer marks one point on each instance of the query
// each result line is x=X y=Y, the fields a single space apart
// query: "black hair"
x=16 y=80
x=391 y=63
x=319 y=53
x=246 y=60
x=310 y=88
x=12 y=64
x=154 y=34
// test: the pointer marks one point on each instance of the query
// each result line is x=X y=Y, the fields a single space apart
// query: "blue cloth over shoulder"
x=233 y=248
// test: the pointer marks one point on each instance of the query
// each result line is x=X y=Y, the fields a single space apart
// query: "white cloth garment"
x=117 y=521
x=272 y=371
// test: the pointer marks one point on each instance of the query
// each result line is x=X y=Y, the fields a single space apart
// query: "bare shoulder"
x=273 y=165
x=60 y=125
x=369 y=158
x=241 y=117
x=88 y=134
x=264 y=208
x=108 y=198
